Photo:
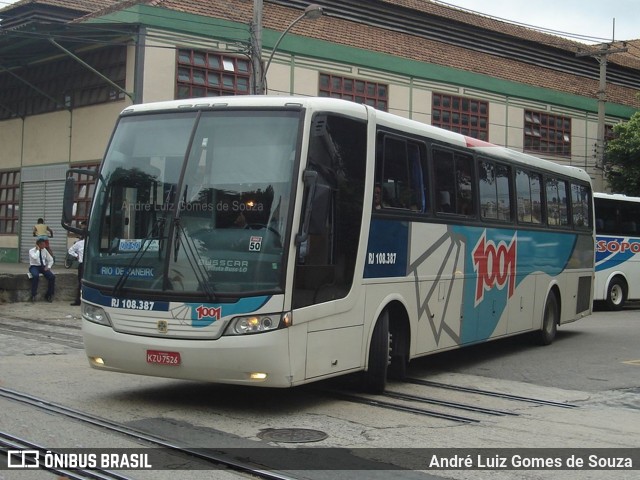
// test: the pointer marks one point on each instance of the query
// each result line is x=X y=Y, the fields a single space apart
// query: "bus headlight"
x=257 y=323
x=95 y=314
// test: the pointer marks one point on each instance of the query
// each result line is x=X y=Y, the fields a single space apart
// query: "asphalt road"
x=594 y=365
x=598 y=353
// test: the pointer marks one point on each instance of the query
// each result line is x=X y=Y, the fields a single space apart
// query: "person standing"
x=43 y=232
x=40 y=262
x=77 y=252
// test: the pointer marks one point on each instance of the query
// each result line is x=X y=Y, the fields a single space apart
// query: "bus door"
x=325 y=295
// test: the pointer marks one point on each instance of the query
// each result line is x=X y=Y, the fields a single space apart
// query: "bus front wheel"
x=549 y=321
x=616 y=294
x=375 y=377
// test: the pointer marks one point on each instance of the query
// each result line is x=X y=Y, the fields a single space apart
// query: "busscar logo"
x=23 y=459
x=495 y=266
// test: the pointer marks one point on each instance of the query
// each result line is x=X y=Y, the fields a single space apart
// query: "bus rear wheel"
x=616 y=294
x=550 y=319
x=375 y=377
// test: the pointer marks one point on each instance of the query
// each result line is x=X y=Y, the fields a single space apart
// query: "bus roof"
x=616 y=196
x=365 y=112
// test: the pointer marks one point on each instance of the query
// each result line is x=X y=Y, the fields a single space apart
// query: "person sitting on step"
x=40 y=262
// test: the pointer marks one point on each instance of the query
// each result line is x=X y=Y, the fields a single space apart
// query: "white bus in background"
x=277 y=241
x=617 y=249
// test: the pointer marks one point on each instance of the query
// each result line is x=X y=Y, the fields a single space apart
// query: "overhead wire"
x=110 y=32
x=243 y=29
x=529 y=26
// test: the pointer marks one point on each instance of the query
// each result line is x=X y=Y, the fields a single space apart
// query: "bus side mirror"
x=68 y=200
x=320 y=209
x=316 y=207
x=310 y=179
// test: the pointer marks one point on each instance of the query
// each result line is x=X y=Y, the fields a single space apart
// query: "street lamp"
x=312 y=12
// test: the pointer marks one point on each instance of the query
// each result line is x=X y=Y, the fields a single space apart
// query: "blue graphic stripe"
x=94 y=296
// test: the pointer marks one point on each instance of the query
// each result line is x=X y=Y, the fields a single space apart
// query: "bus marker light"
x=97 y=361
x=257 y=376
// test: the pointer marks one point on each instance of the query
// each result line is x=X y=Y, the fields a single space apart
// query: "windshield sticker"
x=146 y=272
x=255 y=244
x=224 y=265
x=135 y=244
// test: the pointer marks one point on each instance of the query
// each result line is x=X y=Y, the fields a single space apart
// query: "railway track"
x=476 y=391
x=11 y=442
x=67 y=335
x=205 y=458
x=468 y=411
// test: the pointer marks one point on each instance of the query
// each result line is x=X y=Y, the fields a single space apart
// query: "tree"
x=623 y=158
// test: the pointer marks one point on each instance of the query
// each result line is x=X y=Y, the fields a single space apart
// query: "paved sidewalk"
x=57 y=310
x=15 y=286
x=22 y=268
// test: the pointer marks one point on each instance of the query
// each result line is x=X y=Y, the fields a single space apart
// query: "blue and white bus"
x=617 y=249
x=278 y=241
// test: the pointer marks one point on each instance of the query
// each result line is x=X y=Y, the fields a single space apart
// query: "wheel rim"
x=616 y=294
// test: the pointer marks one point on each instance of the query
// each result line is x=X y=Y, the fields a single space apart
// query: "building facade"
x=70 y=66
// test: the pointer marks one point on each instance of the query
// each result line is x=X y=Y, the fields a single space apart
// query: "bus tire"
x=551 y=316
x=398 y=362
x=375 y=377
x=399 y=334
x=616 y=294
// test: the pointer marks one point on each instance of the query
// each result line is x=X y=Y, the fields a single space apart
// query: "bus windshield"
x=195 y=203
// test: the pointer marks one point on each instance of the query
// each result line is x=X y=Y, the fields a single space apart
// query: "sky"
x=590 y=21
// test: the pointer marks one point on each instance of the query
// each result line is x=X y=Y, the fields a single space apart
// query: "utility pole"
x=257 y=84
x=601 y=55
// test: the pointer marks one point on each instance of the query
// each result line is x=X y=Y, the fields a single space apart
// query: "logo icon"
x=209 y=312
x=495 y=265
x=163 y=326
x=23 y=459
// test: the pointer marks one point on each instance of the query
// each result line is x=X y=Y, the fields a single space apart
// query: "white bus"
x=278 y=241
x=617 y=249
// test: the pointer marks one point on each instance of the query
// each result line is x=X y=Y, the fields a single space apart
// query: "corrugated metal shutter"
x=42 y=199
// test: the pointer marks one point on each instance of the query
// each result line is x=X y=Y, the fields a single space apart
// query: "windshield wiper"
x=194 y=259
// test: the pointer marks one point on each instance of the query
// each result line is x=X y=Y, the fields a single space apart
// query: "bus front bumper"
x=258 y=359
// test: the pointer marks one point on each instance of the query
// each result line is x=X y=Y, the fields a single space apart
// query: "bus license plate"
x=163 y=358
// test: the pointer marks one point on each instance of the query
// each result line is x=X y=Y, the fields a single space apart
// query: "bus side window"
x=417 y=162
x=557 y=202
x=580 y=201
x=465 y=183
x=444 y=176
x=401 y=172
x=455 y=177
x=628 y=227
x=495 y=190
x=528 y=197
